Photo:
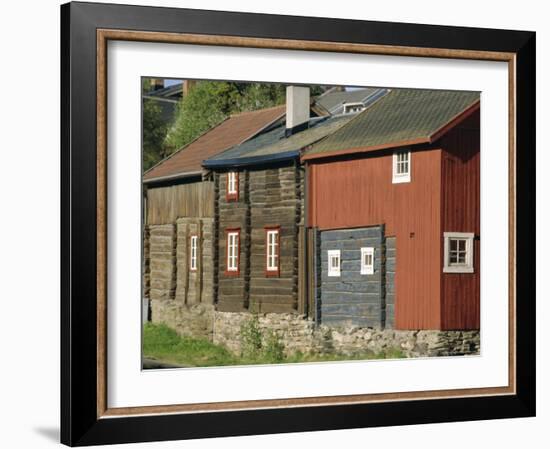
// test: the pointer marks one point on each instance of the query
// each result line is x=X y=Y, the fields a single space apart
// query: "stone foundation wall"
x=299 y=334
x=191 y=321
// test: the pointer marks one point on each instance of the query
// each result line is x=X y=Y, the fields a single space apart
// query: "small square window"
x=367 y=260
x=458 y=252
x=334 y=262
x=401 y=166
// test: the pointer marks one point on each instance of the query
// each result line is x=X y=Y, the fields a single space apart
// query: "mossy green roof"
x=400 y=117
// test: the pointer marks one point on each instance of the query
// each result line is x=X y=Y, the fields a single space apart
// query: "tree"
x=210 y=102
x=154 y=133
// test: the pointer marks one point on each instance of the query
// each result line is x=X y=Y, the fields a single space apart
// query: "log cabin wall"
x=194 y=286
x=353 y=298
x=275 y=202
x=268 y=198
x=174 y=213
x=460 y=306
x=232 y=214
x=358 y=192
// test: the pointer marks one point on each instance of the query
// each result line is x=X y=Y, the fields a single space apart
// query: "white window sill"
x=457 y=269
x=401 y=179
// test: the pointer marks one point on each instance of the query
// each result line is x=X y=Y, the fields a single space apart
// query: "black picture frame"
x=80 y=424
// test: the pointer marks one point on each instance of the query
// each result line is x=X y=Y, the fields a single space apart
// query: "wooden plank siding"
x=268 y=197
x=460 y=307
x=167 y=203
x=358 y=192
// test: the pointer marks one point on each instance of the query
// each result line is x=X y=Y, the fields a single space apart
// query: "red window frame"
x=191 y=253
x=271 y=272
x=233 y=196
x=238 y=270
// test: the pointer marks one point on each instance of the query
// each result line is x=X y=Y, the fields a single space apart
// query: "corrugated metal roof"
x=274 y=146
x=402 y=116
x=333 y=100
x=228 y=133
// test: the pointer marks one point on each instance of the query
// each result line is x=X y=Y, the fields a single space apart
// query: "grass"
x=164 y=344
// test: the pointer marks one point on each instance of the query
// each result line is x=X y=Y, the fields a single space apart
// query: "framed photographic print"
x=278 y=224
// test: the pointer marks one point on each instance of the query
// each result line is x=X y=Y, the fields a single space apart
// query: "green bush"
x=258 y=346
x=251 y=338
x=274 y=349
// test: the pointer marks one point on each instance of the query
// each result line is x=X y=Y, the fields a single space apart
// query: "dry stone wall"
x=298 y=334
x=191 y=321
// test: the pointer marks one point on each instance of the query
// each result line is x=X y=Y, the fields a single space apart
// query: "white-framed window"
x=272 y=250
x=458 y=252
x=233 y=251
x=367 y=260
x=353 y=108
x=334 y=262
x=193 y=253
x=232 y=185
x=401 y=166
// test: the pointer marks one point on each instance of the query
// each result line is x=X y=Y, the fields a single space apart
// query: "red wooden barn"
x=404 y=174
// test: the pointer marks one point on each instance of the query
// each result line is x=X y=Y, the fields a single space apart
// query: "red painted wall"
x=359 y=192
x=460 y=304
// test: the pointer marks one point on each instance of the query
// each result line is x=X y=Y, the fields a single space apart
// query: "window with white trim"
x=272 y=250
x=334 y=262
x=458 y=252
x=367 y=260
x=401 y=166
x=232 y=185
x=193 y=253
x=353 y=108
x=233 y=251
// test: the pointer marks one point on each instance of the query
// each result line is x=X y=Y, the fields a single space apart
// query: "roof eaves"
x=172 y=177
x=454 y=121
x=357 y=150
x=252 y=160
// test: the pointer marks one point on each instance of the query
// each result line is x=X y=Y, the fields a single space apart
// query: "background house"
x=394 y=198
x=167 y=97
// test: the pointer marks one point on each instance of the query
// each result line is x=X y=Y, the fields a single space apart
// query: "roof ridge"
x=256 y=110
x=368 y=109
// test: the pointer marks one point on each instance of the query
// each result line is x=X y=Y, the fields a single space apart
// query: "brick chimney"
x=297 y=109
